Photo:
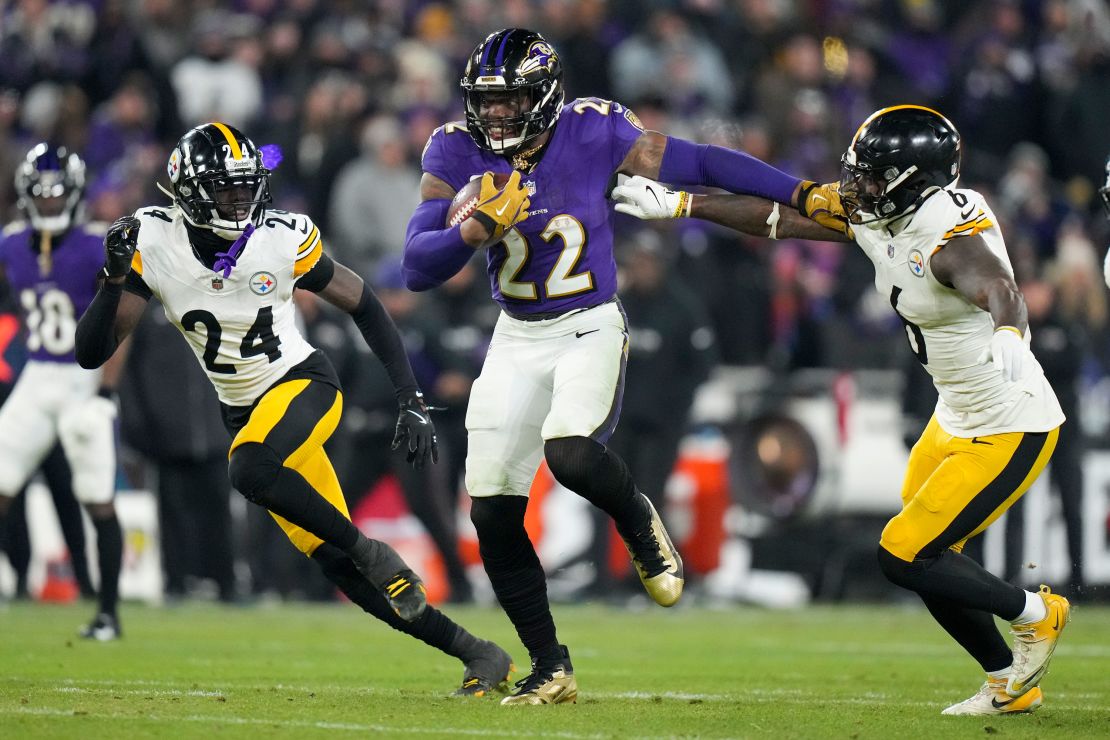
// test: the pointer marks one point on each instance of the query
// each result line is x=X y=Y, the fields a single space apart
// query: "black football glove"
x=414 y=427
x=119 y=246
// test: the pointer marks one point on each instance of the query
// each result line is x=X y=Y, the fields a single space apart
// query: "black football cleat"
x=406 y=595
x=489 y=671
x=103 y=628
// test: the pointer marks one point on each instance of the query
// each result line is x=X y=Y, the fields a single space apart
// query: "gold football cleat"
x=548 y=683
x=1035 y=642
x=653 y=551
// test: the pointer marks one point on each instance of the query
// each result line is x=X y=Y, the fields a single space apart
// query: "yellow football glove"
x=500 y=210
x=821 y=203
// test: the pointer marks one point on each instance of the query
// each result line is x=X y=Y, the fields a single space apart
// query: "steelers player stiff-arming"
x=551 y=384
x=940 y=259
x=224 y=267
x=50 y=262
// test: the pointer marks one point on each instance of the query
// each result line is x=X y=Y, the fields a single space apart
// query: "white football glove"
x=1007 y=351
x=647 y=199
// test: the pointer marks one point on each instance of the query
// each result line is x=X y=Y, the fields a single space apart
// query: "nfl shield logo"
x=217 y=283
x=890 y=250
x=531 y=185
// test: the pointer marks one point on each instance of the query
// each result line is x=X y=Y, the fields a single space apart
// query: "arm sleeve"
x=686 y=163
x=134 y=283
x=381 y=335
x=319 y=276
x=432 y=253
x=96 y=335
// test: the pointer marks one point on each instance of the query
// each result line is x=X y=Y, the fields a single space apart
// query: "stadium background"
x=351 y=91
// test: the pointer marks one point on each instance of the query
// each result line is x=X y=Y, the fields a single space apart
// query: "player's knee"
x=101 y=511
x=572 y=460
x=898 y=571
x=253 y=470
x=499 y=522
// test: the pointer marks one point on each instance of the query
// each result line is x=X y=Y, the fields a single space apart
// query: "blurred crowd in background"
x=351 y=90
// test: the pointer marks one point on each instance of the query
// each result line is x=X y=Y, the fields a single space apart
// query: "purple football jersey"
x=52 y=302
x=560 y=257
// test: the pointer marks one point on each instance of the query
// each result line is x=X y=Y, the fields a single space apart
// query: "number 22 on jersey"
x=561 y=280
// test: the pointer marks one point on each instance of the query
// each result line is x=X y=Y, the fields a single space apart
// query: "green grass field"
x=330 y=671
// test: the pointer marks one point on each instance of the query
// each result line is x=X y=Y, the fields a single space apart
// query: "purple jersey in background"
x=51 y=303
x=560 y=257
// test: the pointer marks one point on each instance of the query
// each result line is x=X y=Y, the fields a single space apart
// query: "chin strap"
x=226 y=260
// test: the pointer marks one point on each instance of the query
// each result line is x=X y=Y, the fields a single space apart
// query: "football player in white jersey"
x=224 y=267
x=50 y=262
x=940 y=259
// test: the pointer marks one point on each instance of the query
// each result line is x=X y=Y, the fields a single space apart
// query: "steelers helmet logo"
x=173 y=166
x=263 y=283
x=917 y=263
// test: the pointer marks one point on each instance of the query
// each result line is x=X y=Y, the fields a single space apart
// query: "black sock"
x=109 y=550
x=975 y=631
x=600 y=476
x=432 y=626
x=515 y=571
x=956 y=579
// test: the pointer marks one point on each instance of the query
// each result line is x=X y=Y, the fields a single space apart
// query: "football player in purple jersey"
x=51 y=263
x=551 y=385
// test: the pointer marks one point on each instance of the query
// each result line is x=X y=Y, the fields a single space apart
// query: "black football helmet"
x=218 y=178
x=1104 y=191
x=897 y=157
x=520 y=68
x=50 y=183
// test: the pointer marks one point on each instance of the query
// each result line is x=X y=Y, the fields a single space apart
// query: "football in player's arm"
x=224 y=266
x=939 y=254
x=551 y=384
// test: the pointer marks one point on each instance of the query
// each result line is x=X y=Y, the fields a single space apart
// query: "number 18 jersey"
x=242 y=327
x=949 y=334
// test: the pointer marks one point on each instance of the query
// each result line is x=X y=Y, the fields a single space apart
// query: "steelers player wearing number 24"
x=224 y=265
x=551 y=384
x=940 y=258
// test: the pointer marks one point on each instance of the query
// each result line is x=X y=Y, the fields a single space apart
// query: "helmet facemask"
x=507 y=118
x=51 y=196
x=873 y=194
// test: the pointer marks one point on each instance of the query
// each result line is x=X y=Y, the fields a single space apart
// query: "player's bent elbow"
x=417 y=281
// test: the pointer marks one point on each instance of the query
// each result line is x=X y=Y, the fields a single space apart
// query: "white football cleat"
x=993 y=699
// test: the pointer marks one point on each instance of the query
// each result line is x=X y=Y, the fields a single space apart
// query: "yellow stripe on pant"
x=309 y=459
x=955 y=487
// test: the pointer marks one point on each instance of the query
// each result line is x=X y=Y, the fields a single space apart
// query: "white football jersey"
x=949 y=334
x=242 y=328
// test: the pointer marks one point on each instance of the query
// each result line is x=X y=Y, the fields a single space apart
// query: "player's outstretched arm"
x=113 y=313
x=647 y=199
x=345 y=290
x=682 y=162
x=967 y=265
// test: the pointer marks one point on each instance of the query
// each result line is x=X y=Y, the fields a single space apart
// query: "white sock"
x=1035 y=610
x=1001 y=675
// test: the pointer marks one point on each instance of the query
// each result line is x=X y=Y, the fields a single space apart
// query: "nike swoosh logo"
x=977 y=441
x=1056 y=626
x=580 y=334
x=1000 y=704
x=501 y=210
x=966 y=216
x=817 y=197
x=418 y=416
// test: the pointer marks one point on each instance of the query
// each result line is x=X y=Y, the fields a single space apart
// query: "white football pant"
x=542 y=380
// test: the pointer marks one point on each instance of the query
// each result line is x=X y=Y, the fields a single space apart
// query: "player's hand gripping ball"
x=498 y=201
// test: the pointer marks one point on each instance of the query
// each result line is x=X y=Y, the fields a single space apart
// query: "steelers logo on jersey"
x=917 y=263
x=263 y=283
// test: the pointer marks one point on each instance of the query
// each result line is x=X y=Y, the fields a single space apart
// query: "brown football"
x=466 y=200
